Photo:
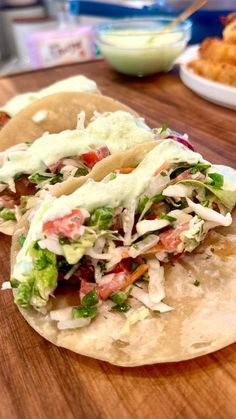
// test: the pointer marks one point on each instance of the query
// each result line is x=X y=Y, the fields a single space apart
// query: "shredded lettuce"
x=43 y=281
x=193 y=236
x=156 y=285
x=44 y=273
x=24 y=293
x=101 y=218
x=227 y=197
x=209 y=214
x=133 y=317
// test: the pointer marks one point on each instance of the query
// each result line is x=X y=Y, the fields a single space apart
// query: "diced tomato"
x=24 y=186
x=123 y=266
x=4 y=118
x=176 y=257
x=86 y=287
x=150 y=216
x=55 y=166
x=7 y=202
x=116 y=284
x=172 y=238
x=187 y=175
x=184 y=175
x=90 y=158
x=69 y=225
x=85 y=272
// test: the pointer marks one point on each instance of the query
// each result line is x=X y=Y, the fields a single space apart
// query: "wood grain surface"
x=39 y=380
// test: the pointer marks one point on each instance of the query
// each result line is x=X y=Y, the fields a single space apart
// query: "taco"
x=27 y=168
x=55 y=113
x=71 y=84
x=138 y=268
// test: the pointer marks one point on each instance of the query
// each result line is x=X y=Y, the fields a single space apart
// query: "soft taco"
x=27 y=168
x=71 y=84
x=55 y=113
x=138 y=268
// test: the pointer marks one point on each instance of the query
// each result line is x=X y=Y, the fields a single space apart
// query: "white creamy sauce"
x=72 y=84
x=119 y=131
x=122 y=128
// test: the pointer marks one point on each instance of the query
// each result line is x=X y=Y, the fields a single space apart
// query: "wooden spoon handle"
x=183 y=16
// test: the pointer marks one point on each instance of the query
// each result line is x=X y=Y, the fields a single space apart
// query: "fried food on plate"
x=229 y=33
x=215 y=49
x=217 y=57
x=220 y=72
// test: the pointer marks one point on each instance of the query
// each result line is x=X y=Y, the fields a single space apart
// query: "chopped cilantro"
x=143 y=200
x=81 y=171
x=90 y=299
x=119 y=297
x=122 y=308
x=157 y=198
x=21 y=240
x=167 y=218
x=56 y=179
x=217 y=180
x=41 y=262
x=14 y=283
x=199 y=167
x=88 y=306
x=37 y=178
x=113 y=176
x=79 y=312
x=36 y=246
x=17 y=176
x=163 y=173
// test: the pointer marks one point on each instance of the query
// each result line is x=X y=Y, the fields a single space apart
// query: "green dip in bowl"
x=135 y=47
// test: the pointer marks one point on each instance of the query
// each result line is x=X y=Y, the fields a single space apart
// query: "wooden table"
x=39 y=380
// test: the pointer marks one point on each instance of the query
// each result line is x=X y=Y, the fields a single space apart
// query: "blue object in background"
x=205 y=22
x=74 y=7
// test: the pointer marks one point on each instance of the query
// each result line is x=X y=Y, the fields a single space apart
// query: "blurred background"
x=43 y=33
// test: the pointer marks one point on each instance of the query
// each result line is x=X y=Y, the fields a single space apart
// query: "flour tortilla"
x=60 y=111
x=203 y=319
x=61 y=114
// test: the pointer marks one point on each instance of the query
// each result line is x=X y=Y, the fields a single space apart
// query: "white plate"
x=215 y=92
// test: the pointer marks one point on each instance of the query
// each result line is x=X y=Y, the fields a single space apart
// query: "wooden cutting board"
x=39 y=380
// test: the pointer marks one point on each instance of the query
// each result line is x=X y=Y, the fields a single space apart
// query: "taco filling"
x=53 y=158
x=109 y=240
